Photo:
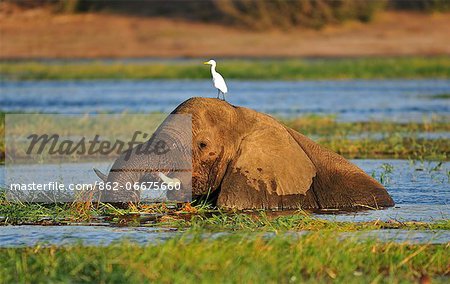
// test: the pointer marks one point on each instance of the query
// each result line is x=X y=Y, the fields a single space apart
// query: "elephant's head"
x=164 y=158
x=248 y=160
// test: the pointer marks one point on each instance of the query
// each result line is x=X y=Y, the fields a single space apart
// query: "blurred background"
x=225 y=28
x=354 y=59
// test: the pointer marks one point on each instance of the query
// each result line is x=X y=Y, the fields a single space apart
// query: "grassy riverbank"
x=318 y=257
x=295 y=69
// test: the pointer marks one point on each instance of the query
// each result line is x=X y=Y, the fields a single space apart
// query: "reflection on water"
x=352 y=100
x=15 y=236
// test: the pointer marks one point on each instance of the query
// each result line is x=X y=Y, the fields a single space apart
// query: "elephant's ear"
x=270 y=170
x=339 y=183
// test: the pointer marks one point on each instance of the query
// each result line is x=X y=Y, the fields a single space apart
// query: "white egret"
x=218 y=81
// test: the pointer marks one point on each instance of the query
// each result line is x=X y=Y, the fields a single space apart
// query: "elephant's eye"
x=202 y=145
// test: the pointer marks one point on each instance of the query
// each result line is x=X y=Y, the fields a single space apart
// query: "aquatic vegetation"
x=411 y=147
x=355 y=68
x=376 y=139
x=440 y=96
x=185 y=217
x=329 y=125
x=231 y=258
x=292 y=221
x=385 y=176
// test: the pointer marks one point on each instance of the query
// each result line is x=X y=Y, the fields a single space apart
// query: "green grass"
x=295 y=69
x=317 y=257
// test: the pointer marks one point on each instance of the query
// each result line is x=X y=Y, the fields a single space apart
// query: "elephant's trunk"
x=165 y=158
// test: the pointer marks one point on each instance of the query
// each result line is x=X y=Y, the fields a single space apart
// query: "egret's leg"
x=223 y=94
x=218 y=94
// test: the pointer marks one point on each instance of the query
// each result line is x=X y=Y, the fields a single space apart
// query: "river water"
x=350 y=100
x=16 y=236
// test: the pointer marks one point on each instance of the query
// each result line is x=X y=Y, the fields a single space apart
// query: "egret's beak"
x=206 y=63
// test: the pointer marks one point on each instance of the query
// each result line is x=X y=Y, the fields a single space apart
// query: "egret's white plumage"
x=218 y=81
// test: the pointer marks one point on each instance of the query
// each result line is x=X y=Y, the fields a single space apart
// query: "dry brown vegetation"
x=257 y=14
x=35 y=33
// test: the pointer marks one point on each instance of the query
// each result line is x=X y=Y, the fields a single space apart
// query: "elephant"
x=243 y=159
